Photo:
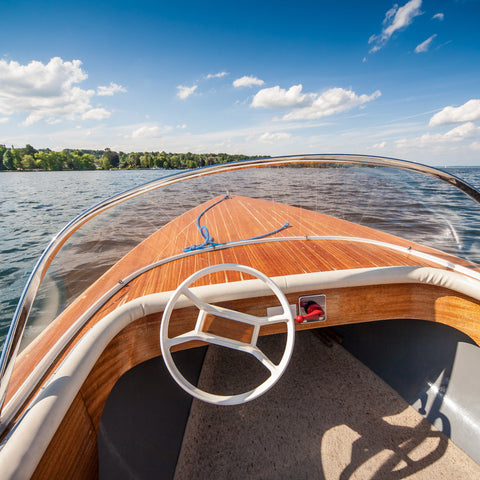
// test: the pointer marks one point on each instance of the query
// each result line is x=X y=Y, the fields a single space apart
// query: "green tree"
x=88 y=162
x=146 y=161
x=57 y=160
x=28 y=162
x=3 y=149
x=49 y=160
x=68 y=158
x=106 y=164
x=42 y=160
x=81 y=161
x=28 y=150
x=113 y=158
x=8 y=160
x=17 y=159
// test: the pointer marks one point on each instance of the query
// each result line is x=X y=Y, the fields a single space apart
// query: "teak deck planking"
x=237 y=219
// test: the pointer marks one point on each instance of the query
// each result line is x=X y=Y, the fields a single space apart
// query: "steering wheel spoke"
x=251 y=348
x=264 y=360
x=226 y=312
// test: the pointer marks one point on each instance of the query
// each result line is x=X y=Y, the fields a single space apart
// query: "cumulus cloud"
x=464 y=131
x=4 y=120
x=424 y=46
x=110 y=90
x=458 y=134
x=334 y=100
x=395 y=19
x=309 y=106
x=276 y=97
x=46 y=91
x=438 y=16
x=216 y=75
x=247 y=81
x=268 y=137
x=184 y=92
x=468 y=112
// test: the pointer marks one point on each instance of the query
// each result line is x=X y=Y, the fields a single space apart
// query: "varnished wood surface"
x=233 y=220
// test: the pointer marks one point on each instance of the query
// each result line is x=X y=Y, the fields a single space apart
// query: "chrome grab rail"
x=17 y=326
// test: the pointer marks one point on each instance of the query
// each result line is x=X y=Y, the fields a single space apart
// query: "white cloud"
x=276 y=97
x=44 y=91
x=148 y=131
x=216 y=75
x=268 y=137
x=334 y=100
x=4 y=120
x=96 y=114
x=438 y=16
x=424 y=46
x=468 y=112
x=458 y=134
x=185 y=92
x=380 y=146
x=309 y=106
x=110 y=90
x=247 y=81
x=462 y=132
x=395 y=19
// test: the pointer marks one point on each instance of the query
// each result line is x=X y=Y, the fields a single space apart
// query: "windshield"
x=370 y=192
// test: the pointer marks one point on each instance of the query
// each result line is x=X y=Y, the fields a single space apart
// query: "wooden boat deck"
x=233 y=220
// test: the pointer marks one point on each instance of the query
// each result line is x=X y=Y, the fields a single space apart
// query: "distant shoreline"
x=30 y=159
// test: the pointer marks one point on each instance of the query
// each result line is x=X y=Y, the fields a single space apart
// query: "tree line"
x=29 y=158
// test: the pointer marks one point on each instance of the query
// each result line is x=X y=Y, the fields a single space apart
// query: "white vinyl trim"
x=10 y=409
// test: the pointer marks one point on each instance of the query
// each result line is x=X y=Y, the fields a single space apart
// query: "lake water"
x=36 y=205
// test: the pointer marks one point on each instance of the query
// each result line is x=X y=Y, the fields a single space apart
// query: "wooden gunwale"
x=274 y=258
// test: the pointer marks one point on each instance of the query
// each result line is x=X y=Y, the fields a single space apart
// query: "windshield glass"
x=409 y=204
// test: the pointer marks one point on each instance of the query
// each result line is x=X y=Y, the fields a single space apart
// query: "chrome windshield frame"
x=18 y=323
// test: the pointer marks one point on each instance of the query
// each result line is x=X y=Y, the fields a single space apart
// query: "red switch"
x=314 y=312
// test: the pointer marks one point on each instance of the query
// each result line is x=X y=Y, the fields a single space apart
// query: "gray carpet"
x=328 y=417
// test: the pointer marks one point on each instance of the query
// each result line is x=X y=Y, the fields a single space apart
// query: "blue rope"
x=208 y=239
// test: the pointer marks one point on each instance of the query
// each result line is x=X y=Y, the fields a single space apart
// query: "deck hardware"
x=312 y=308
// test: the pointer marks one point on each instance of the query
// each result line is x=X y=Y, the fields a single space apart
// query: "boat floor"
x=329 y=416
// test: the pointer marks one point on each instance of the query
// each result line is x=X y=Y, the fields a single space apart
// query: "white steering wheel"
x=197 y=333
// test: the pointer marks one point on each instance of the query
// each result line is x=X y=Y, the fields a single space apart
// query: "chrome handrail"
x=17 y=326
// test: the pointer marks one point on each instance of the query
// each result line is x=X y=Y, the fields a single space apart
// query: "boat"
x=311 y=316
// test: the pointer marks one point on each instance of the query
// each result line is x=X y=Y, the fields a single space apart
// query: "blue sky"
x=254 y=77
